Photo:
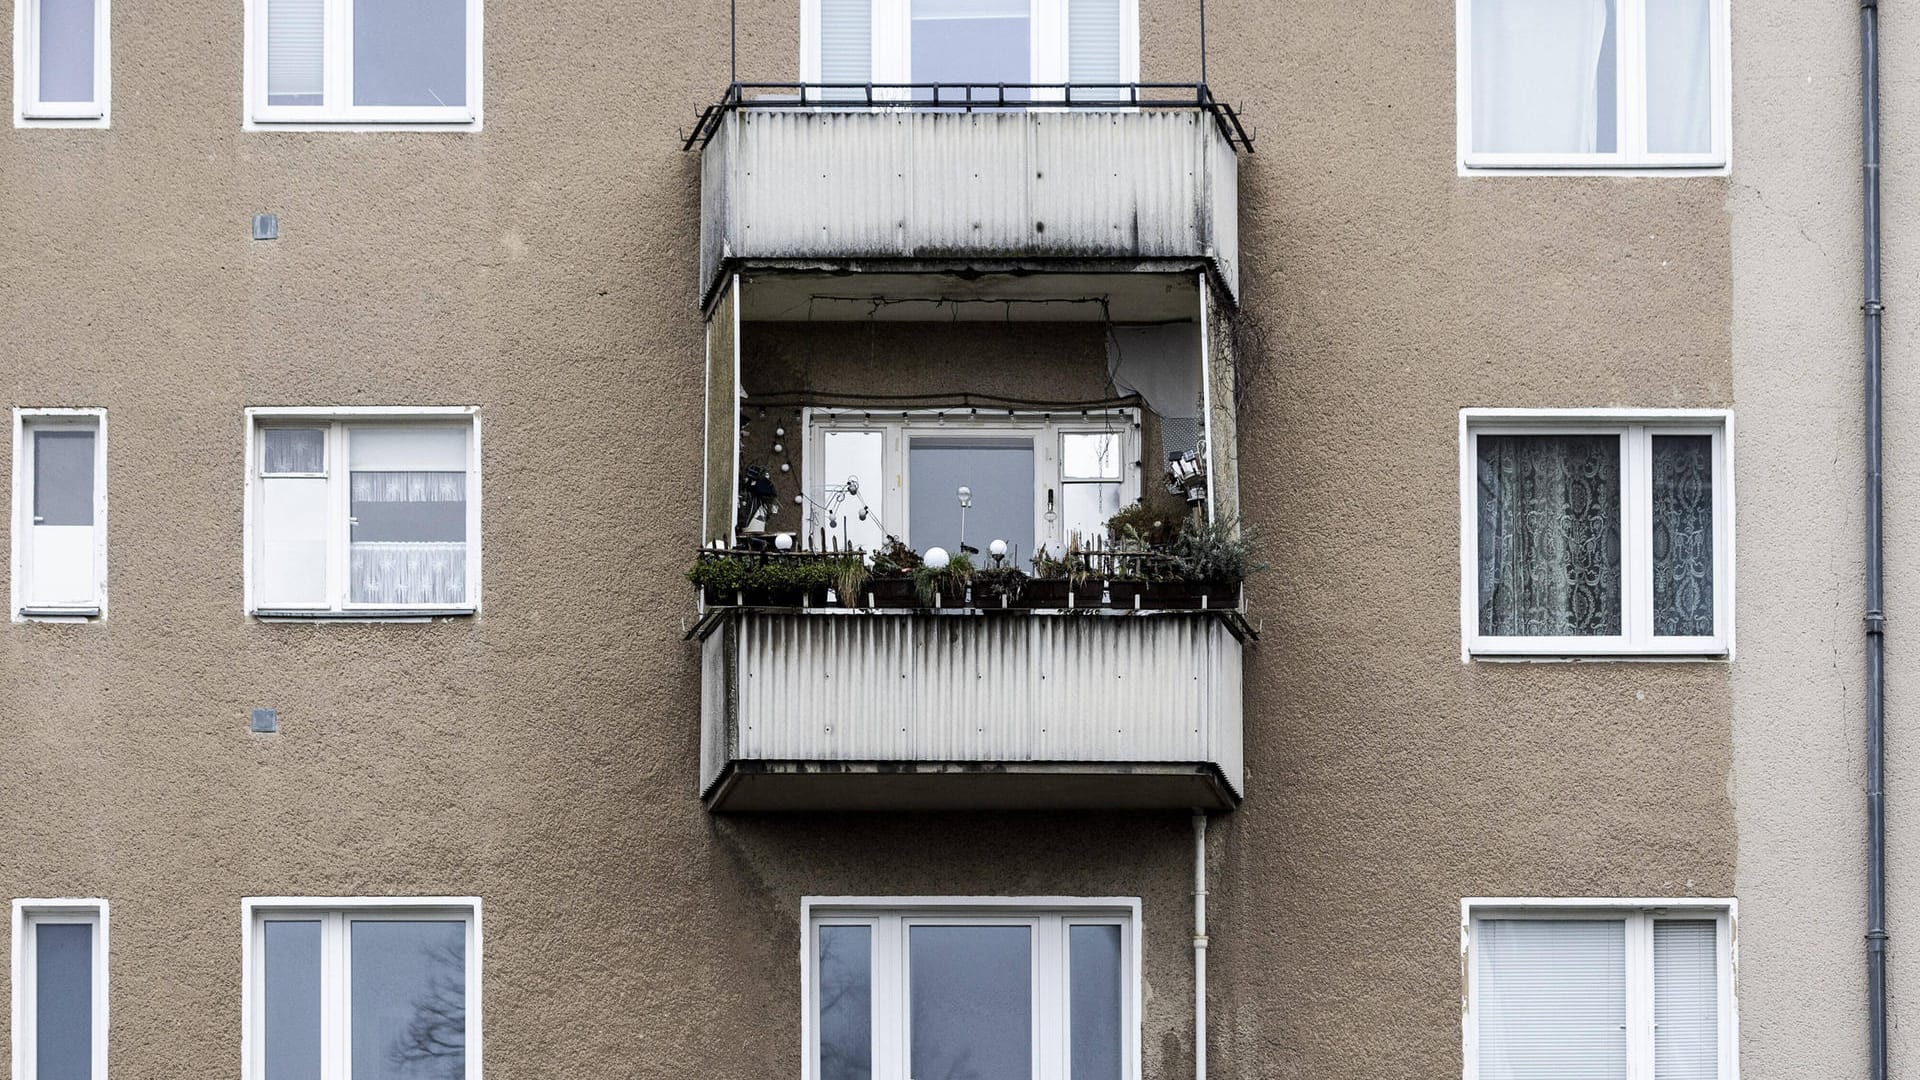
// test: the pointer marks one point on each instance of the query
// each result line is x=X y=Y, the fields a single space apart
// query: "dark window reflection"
x=972 y=1002
x=846 y=1003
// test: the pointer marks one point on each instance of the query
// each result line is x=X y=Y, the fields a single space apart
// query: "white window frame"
x=1631 y=157
x=28 y=109
x=337 y=420
x=1639 y=914
x=1049 y=915
x=1636 y=426
x=26 y=420
x=340 y=114
x=28 y=914
x=1046 y=428
x=893 y=42
x=334 y=912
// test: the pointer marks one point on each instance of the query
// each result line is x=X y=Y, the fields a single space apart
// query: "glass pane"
x=1092 y=456
x=846 y=1002
x=1087 y=508
x=66 y=50
x=971 y=990
x=1680 y=76
x=856 y=456
x=971 y=44
x=1553 y=999
x=290 y=999
x=63 y=477
x=1095 y=1005
x=1683 y=535
x=294 y=450
x=1549 y=535
x=296 y=52
x=408 y=515
x=1545 y=77
x=409 y=52
x=409 y=993
x=63 y=1001
x=998 y=476
x=1686 y=1000
x=1093 y=45
x=846 y=45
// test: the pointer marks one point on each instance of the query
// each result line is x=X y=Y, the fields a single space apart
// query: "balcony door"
x=970 y=48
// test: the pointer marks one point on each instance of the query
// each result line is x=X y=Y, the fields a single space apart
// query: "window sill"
x=1562 y=169
x=363 y=615
x=364 y=126
x=1713 y=656
x=60 y=614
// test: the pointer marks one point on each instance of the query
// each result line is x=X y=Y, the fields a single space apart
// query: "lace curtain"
x=409 y=537
x=1549 y=533
x=1683 y=535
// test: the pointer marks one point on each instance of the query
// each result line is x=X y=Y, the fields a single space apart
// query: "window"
x=1593 y=83
x=362 y=988
x=60 y=69
x=898 y=989
x=60 y=989
x=59 y=513
x=1598 y=990
x=1596 y=532
x=368 y=513
x=368 y=62
x=969 y=46
x=960 y=481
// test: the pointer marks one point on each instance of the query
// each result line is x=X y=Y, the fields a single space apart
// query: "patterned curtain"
x=1549 y=525
x=409 y=537
x=1683 y=535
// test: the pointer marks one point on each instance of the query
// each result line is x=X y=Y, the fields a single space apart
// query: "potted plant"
x=1212 y=560
x=889 y=581
x=943 y=586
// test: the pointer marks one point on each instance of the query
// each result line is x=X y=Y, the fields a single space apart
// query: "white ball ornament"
x=936 y=558
x=998 y=549
x=784 y=541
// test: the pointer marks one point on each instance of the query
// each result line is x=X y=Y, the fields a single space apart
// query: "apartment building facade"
x=378 y=371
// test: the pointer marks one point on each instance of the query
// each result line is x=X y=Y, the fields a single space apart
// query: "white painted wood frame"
x=1049 y=916
x=1636 y=428
x=28 y=914
x=339 y=113
x=20 y=598
x=28 y=109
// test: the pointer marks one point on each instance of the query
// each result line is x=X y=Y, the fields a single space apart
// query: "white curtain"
x=1679 y=76
x=1537 y=78
x=1553 y=999
x=408 y=572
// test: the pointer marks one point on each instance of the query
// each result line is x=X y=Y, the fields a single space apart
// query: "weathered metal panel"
x=918 y=688
x=716 y=707
x=826 y=185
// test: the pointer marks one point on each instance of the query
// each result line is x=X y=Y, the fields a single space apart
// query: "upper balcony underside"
x=891 y=188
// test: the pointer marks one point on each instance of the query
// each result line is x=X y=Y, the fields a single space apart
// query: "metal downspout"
x=1871 y=309
x=1199 y=945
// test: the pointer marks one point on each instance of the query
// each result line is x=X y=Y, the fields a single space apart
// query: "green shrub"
x=948 y=583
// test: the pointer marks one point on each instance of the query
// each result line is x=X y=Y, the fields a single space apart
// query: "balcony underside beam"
x=802 y=786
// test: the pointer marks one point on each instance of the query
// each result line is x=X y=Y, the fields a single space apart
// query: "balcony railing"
x=971 y=97
x=912 y=177
x=826 y=709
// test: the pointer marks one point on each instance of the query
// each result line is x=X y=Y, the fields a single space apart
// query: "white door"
x=61 y=544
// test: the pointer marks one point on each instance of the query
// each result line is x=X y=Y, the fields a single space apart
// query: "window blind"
x=1093 y=42
x=1553 y=999
x=295 y=51
x=846 y=42
x=1686 y=1000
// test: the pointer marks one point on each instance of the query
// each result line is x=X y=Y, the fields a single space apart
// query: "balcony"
x=823 y=709
x=905 y=179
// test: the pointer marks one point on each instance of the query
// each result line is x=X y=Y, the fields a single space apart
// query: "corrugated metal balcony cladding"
x=826 y=185
x=934 y=688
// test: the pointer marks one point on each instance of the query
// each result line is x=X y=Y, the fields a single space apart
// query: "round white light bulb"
x=997 y=549
x=784 y=541
x=936 y=558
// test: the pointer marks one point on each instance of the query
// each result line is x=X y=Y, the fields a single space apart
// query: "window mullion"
x=339 y=517
x=1631 y=49
x=892 y=1057
x=1640 y=1057
x=337 y=36
x=1050 y=983
x=1636 y=540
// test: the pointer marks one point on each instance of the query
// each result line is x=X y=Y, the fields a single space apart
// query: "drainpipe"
x=1871 y=308
x=1199 y=945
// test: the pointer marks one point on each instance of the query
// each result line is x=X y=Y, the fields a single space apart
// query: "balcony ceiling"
x=1006 y=294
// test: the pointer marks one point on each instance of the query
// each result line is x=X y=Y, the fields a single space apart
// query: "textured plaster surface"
x=543 y=755
x=1799 y=694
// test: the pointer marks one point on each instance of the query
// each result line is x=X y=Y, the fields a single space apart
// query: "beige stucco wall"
x=543 y=755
